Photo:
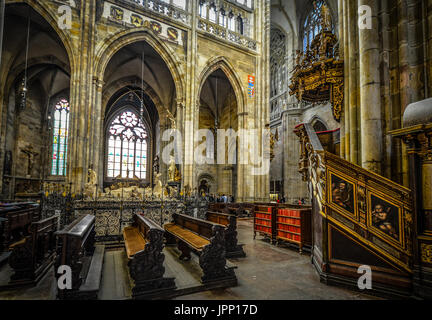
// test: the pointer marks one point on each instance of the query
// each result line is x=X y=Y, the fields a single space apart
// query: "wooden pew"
x=217 y=206
x=248 y=209
x=206 y=239
x=233 y=249
x=144 y=244
x=237 y=209
x=17 y=220
x=76 y=249
x=32 y=256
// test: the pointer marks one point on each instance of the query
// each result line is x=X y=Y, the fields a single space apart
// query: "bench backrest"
x=217 y=206
x=145 y=226
x=18 y=218
x=76 y=237
x=37 y=245
x=218 y=217
x=201 y=227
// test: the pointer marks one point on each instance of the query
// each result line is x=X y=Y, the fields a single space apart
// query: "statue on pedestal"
x=90 y=186
x=172 y=170
x=157 y=190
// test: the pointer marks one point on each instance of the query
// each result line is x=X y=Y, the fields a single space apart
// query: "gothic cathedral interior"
x=215 y=149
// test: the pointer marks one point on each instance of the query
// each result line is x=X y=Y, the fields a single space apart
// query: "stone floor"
x=274 y=273
x=267 y=273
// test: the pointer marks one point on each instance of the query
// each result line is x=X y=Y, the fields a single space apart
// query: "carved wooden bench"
x=144 y=244
x=206 y=239
x=233 y=249
x=237 y=209
x=76 y=249
x=32 y=256
x=17 y=220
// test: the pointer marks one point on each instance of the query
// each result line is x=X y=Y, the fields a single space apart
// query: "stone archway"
x=223 y=64
x=124 y=38
x=220 y=101
x=208 y=182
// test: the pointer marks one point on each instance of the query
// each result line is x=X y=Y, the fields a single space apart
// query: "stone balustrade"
x=224 y=33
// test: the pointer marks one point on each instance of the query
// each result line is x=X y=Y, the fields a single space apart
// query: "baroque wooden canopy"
x=318 y=75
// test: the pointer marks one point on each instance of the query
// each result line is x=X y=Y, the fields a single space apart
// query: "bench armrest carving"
x=148 y=263
x=212 y=259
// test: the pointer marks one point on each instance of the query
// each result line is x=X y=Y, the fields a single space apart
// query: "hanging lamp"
x=24 y=89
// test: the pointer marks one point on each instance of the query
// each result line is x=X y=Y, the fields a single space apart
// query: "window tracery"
x=127 y=147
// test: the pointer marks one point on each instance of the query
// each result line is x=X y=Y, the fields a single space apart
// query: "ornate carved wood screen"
x=359 y=217
x=318 y=75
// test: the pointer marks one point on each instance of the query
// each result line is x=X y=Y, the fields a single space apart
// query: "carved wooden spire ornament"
x=318 y=76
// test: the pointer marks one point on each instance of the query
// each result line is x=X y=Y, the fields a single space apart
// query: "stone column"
x=191 y=114
x=180 y=126
x=262 y=183
x=370 y=93
x=98 y=134
x=411 y=57
x=81 y=99
x=353 y=83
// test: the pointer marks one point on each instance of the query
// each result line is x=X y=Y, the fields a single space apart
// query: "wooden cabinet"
x=265 y=221
x=293 y=225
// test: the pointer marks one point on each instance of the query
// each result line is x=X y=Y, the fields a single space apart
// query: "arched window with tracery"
x=312 y=25
x=60 y=138
x=278 y=67
x=127 y=147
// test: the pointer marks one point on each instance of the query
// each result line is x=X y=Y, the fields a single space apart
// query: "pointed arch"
x=227 y=68
x=131 y=81
x=51 y=18
x=124 y=38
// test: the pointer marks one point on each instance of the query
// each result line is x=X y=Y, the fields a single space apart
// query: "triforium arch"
x=124 y=38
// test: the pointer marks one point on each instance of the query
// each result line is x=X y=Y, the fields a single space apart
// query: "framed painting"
x=385 y=218
x=342 y=194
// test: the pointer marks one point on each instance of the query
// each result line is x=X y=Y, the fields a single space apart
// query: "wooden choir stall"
x=76 y=248
x=144 y=244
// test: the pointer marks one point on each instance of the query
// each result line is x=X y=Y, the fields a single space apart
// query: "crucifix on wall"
x=31 y=154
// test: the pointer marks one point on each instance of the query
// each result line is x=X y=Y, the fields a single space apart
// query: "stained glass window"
x=127 y=147
x=60 y=137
